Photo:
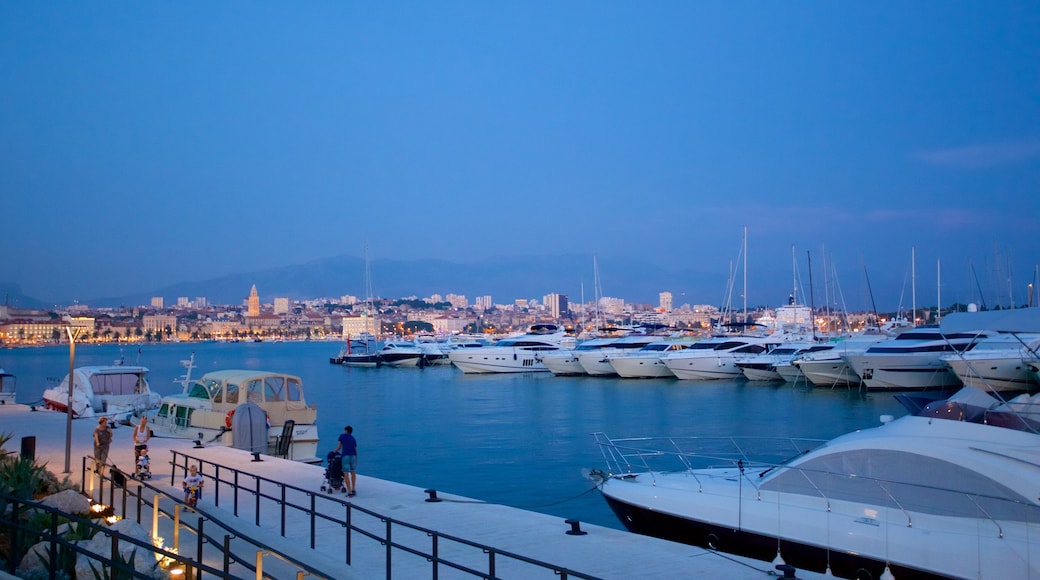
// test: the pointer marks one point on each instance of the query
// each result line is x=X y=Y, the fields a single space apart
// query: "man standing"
x=348 y=445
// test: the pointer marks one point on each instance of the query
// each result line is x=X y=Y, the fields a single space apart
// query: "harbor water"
x=522 y=440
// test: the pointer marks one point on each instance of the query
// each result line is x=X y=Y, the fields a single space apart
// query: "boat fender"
x=713 y=542
x=227 y=418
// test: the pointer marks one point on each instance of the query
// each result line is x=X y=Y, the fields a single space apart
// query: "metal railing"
x=357 y=521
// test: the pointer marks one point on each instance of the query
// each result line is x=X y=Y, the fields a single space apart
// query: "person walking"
x=102 y=441
x=141 y=436
x=347 y=446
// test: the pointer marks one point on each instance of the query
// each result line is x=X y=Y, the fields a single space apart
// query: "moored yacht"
x=564 y=362
x=119 y=391
x=715 y=358
x=646 y=362
x=400 y=354
x=516 y=354
x=938 y=494
x=763 y=367
x=206 y=411
x=911 y=361
x=597 y=362
x=998 y=363
x=7 y=388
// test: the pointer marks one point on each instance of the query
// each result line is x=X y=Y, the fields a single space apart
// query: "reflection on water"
x=516 y=439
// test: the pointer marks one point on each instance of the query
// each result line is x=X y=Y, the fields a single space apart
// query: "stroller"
x=143 y=468
x=333 y=473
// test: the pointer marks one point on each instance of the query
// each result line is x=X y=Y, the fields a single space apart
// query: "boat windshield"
x=208 y=389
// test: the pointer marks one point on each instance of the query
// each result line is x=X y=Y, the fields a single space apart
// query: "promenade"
x=601 y=552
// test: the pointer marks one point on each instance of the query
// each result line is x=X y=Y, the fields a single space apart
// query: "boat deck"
x=601 y=552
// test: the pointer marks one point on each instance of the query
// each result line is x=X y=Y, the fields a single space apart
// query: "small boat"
x=7 y=388
x=948 y=491
x=118 y=391
x=206 y=410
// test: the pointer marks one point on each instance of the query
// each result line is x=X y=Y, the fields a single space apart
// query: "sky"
x=149 y=143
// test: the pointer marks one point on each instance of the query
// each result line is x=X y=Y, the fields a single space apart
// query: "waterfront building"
x=281 y=305
x=157 y=302
x=158 y=322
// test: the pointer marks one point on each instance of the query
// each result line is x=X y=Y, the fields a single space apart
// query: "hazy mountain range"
x=504 y=279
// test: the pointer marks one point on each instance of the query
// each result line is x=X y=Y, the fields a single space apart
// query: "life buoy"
x=228 y=417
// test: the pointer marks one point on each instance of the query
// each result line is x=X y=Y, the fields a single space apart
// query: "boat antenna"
x=812 y=297
x=873 y=305
x=188 y=365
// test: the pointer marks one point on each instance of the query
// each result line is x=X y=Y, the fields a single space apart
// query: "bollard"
x=787 y=569
x=29 y=447
x=433 y=496
x=256 y=456
x=575 y=528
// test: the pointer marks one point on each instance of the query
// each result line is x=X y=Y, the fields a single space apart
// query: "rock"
x=69 y=501
x=144 y=561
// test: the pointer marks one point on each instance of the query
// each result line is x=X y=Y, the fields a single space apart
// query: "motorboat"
x=363 y=341
x=596 y=362
x=944 y=492
x=999 y=363
x=828 y=368
x=715 y=358
x=564 y=362
x=433 y=352
x=646 y=362
x=763 y=367
x=205 y=412
x=117 y=391
x=7 y=388
x=361 y=359
x=400 y=354
x=515 y=354
x=911 y=361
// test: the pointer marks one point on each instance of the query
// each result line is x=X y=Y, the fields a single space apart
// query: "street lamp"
x=73 y=333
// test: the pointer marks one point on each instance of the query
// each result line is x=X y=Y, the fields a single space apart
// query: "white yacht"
x=515 y=354
x=715 y=358
x=596 y=362
x=943 y=493
x=912 y=360
x=118 y=391
x=763 y=367
x=564 y=362
x=433 y=351
x=828 y=368
x=998 y=363
x=400 y=354
x=206 y=412
x=646 y=362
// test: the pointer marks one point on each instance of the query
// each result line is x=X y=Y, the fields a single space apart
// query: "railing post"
x=350 y=529
x=236 y=494
x=283 y=509
x=314 y=526
x=227 y=553
x=257 y=508
x=389 y=548
x=435 y=554
x=216 y=484
x=201 y=540
x=259 y=565
x=155 y=516
x=177 y=528
x=491 y=562
x=117 y=562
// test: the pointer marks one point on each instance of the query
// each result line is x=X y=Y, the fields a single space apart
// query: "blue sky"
x=150 y=143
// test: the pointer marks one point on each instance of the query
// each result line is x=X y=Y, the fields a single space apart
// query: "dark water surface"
x=520 y=440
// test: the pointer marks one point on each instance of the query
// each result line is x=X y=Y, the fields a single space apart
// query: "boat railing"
x=323 y=511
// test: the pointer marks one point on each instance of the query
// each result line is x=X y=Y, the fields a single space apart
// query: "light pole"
x=73 y=333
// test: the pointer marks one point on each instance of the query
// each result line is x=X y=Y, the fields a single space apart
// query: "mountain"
x=504 y=279
x=11 y=295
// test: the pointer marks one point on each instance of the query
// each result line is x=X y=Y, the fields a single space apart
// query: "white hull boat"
x=912 y=360
x=999 y=363
x=646 y=362
x=597 y=362
x=400 y=354
x=7 y=388
x=715 y=358
x=564 y=362
x=518 y=354
x=118 y=391
x=922 y=496
x=206 y=412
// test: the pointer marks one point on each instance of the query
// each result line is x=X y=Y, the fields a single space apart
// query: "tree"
x=416 y=326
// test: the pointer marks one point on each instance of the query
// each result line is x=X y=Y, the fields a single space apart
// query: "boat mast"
x=913 y=285
x=745 y=275
x=938 y=291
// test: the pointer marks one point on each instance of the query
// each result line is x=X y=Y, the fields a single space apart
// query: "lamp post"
x=72 y=332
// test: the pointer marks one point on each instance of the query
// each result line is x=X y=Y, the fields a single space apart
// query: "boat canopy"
x=241 y=386
x=1015 y=320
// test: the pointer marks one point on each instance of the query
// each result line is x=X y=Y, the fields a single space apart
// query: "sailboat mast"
x=794 y=277
x=913 y=284
x=745 y=274
x=938 y=290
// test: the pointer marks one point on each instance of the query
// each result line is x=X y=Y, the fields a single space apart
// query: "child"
x=143 y=465
x=193 y=486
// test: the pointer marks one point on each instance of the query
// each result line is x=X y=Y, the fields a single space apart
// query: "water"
x=519 y=440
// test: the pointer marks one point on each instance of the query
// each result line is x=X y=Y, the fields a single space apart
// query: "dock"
x=583 y=549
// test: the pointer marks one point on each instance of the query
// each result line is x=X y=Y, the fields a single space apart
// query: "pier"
x=388 y=530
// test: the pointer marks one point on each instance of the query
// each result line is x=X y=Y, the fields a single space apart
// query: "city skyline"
x=152 y=145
